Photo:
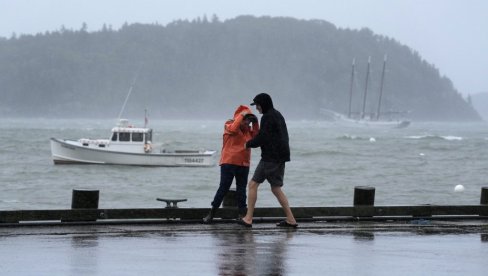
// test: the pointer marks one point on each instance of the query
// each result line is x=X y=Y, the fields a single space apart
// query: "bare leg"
x=252 y=197
x=283 y=200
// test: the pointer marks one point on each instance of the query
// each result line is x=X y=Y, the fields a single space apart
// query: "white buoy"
x=459 y=188
x=372 y=139
x=421 y=154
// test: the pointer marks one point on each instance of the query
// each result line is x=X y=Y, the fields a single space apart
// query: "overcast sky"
x=451 y=34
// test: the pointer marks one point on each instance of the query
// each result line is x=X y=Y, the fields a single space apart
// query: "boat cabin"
x=137 y=135
x=125 y=138
x=124 y=132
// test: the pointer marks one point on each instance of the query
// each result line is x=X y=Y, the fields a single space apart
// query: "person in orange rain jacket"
x=235 y=159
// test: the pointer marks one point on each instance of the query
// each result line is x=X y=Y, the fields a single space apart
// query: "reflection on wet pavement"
x=248 y=253
x=231 y=250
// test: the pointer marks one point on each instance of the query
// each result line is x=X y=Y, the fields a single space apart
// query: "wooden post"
x=230 y=199
x=364 y=201
x=85 y=199
x=484 y=196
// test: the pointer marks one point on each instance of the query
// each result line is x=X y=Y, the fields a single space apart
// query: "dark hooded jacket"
x=273 y=133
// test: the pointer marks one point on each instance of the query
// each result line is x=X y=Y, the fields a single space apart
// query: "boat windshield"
x=137 y=137
x=123 y=136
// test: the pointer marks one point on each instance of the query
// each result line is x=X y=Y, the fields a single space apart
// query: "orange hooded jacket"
x=235 y=137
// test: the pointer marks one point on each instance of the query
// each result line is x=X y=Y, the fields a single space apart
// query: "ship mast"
x=366 y=89
x=381 y=88
x=351 y=87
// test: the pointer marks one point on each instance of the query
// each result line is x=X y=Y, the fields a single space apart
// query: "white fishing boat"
x=128 y=145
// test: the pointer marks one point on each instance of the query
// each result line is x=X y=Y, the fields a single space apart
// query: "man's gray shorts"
x=271 y=171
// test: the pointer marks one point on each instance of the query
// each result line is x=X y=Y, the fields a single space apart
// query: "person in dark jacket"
x=275 y=152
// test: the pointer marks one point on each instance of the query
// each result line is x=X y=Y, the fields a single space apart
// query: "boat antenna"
x=128 y=94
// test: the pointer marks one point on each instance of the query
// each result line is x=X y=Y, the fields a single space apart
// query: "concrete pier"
x=406 y=240
x=416 y=247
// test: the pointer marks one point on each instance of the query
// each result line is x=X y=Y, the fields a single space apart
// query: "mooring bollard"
x=85 y=199
x=364 y=201
x=364 y=195
x=484 y=195
x=230 y=199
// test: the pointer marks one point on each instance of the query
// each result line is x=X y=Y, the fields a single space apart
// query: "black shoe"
x=285 y=223
x=243 y=223
x=209 y=218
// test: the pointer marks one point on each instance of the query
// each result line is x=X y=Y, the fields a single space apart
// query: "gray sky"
x=451 y=34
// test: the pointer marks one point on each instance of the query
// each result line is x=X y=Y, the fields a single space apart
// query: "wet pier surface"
x=416 y=247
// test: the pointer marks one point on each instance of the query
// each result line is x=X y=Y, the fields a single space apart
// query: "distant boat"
x=344 y=120
x=128 y=145
x=363 y=119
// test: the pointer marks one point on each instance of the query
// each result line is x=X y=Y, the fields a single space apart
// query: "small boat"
x=128 y=146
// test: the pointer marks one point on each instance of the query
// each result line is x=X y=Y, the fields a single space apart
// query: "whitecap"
x=448 y=137
x=452 y=138
x=418 y=136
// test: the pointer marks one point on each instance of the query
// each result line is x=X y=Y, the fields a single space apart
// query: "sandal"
x=243 y=223
x=285 y=223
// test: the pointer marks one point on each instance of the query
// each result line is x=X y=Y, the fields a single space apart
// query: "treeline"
x=205 y=68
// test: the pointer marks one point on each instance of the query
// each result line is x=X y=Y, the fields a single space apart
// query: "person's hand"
x=251 y=117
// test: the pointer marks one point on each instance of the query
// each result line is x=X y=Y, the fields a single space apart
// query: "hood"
x=264 y=100
x=242 y=109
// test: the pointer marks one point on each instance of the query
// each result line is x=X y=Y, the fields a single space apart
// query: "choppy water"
x=418 y=165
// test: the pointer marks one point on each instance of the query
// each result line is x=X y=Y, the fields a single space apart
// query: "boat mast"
x=125 y=102
x=381 y=88
x=351 y=87
x=145 y=118
x=366 y=89
x=128 y=94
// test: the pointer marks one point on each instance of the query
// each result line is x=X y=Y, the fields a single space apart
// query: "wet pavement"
x=418 y=247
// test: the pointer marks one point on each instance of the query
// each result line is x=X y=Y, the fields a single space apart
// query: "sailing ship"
x=379 y=118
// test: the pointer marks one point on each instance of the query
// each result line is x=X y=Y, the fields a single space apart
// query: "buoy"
x=372 y=139
x=421 y=154
x=459 y=188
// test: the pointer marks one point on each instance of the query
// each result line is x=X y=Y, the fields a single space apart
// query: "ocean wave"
x=352 y=137
x=319 y=153
x=436 y=137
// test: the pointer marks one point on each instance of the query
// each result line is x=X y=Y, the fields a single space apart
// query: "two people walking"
x=272 y=138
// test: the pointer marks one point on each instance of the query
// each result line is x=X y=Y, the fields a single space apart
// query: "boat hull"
x=344 y=120
x=368 y=123
x=68 y=153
